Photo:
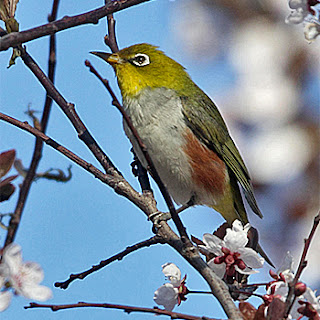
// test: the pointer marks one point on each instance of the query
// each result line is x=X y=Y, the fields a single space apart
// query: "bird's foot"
x=159 y=216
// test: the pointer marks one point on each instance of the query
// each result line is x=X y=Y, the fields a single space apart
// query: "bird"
x=183 y=131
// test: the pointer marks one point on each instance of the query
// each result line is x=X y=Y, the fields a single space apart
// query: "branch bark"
x=148 y=205
x=16 y=38
x=127 y=309
x=37 y=153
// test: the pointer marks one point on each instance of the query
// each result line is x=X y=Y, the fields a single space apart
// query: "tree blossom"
x=301 y=10
x=305 y=304
x=305 y=11
x=5 y=296
x=231 y=252
x=23 y=277
x=170 y=294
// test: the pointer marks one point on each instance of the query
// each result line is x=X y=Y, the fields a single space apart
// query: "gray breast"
x=157 y=116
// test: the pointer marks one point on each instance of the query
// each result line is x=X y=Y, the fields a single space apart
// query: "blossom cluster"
x=22 y=277
x=304 y=11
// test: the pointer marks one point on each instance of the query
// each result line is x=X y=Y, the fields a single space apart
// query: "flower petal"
x=12 y=257
x=5 y=299
x=173 y=273
x=235 y=239
x=251 y=258
x=246 y=270
x=286 y=264
x=213 y=244
x=36 y=292
x=31 y=272
x=219 y=269
x=167 y=296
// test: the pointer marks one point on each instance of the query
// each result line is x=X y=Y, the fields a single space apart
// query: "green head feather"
x=143 y=65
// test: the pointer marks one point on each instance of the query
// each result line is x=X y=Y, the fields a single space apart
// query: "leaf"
x=6 y=161
x=16 y=53
x=8 y=9
x=260 y=313
x=6 y=191
x=8 y=180
x=276 y=309
x=248 y=310
x=197 y=241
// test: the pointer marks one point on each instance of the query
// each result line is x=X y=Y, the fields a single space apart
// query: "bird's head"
x=145 y=66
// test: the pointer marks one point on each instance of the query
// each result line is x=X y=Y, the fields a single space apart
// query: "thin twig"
x=119 y=256
x=110 y=39
x=70 y=112
x=127 y=309
x=15 y=38
x=303 y=263
x=37 y=153
x=117 y=182
x=147 y=205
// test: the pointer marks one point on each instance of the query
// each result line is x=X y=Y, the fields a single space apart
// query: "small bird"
x=184 y=132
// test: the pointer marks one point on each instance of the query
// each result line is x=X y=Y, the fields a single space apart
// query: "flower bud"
x=299 y=289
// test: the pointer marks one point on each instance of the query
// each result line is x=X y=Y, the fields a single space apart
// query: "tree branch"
x=119 y=256
x=70 y=112
x=37 y=153
x=117 y=182
x=127 y=309
x=110 y=39
x=15 y=38
x=303 y=263
x=147 y=205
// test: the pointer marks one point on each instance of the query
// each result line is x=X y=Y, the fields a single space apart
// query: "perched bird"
x=184 y=132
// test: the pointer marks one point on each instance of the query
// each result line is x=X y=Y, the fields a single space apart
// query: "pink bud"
x=241 y=264
x=273 y=275
x=218 y=260
x=299 y=289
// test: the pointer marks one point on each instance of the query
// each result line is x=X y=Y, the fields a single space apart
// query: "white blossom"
x=232 y=253
x=5 y=296
x=167 y=294
x=23 y=277
x=311 y=31
x=281 y=289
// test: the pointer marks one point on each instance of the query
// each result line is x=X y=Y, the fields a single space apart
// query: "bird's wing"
x=206 y=122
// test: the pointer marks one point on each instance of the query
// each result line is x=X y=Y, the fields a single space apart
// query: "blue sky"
x=69 y=227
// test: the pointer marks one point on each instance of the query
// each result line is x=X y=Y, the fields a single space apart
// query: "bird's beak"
x=111 y=58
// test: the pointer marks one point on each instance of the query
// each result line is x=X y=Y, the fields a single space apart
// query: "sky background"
x=67 y=227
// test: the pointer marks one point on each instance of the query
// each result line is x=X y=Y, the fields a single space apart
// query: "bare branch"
x=148 y=205
x=70 y=112
x=115 y=181
x=119 y=256
x=303 y=263
x=37 y=153
x=110 y=39
x=15 y=38
x=127 y=309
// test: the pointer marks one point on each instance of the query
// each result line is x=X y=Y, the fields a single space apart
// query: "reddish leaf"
x=248 y=310
x=6 y=191
x=260 y=313
x=7 y=180
x=276 y=309
x=222 y=230
x=197 y=241
x=6 y=161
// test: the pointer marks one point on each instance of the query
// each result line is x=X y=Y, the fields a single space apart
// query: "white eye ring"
x=141 y=60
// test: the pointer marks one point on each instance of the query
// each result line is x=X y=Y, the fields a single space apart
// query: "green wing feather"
x=206 y=122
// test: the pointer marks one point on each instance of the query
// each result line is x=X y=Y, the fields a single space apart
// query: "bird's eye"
x=140 y=60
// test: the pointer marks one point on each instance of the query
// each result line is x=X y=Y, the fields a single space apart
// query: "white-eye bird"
x=184 y=132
